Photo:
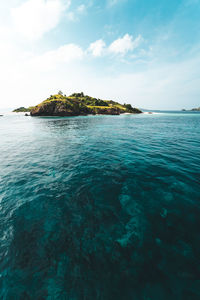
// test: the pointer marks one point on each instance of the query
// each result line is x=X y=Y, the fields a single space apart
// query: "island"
x=196 y=109
x=79 y=104
x=23 y=109
x=193 y=109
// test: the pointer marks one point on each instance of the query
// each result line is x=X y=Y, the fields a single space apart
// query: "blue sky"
x=141 y=52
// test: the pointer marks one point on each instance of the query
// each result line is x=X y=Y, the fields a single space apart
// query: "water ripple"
x=100 y=207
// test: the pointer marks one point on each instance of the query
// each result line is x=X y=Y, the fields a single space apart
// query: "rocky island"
x=196 y=109
x=22 y=109
x=79 y=104
x=193 y=109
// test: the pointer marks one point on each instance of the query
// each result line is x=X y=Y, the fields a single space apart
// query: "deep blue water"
x=100 y=207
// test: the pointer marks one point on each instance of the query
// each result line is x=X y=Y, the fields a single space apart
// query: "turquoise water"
x=100 y=207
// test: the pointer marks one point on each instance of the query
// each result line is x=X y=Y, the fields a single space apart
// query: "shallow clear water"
x=100 y=207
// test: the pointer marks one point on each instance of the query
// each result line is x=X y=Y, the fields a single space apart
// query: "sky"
x=143 y=52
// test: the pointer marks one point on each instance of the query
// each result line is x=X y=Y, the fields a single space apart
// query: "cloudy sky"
x=143 y=52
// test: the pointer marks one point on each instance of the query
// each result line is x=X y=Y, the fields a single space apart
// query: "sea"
x=100 y=207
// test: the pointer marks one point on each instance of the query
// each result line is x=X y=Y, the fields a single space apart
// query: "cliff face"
x=79 y=104
x=59 y=108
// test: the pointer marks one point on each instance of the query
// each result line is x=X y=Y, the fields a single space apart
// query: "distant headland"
x=23 y=109
x=193 y=109
x=196 y=109
x=77 y=104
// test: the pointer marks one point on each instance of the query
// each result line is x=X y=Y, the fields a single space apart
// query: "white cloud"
x=162 y=86
x=119 y=46
x=97 y=48
x=36 y=17
x=71 y=16
x=112 y=2
x=157 y=85
x=125 y=44
x=81 y=8
x=74 y=15
x=52 y=59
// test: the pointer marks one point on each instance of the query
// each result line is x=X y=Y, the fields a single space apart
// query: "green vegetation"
x=23 y=109
x=79 y=104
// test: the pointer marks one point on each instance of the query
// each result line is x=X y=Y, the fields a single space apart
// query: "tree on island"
x=78 y=95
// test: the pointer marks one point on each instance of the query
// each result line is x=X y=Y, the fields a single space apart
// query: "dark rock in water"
x=26 y=115
x=1 y=115
x=78 y=104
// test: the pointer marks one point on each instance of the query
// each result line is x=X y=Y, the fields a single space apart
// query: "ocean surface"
x=100 y=207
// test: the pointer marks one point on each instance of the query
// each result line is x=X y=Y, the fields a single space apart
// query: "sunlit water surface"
x=100 y=207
